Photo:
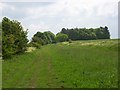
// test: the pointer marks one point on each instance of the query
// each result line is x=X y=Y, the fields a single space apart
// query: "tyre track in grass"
x=50 y=82
x=45 y=78
x=33 y=81
x=14 y=80
x=34 y=74
x=51 y=75
x=29 y=76
x=23 y=79
x=19 y=79
x=43 y=75
x=40 y=71
x=49 y=68
x=39 y=77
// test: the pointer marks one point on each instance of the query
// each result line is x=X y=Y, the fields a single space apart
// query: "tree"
x=36 y=42
x=61 y=37
x=42 y=36
x=106 y=33
x=64 y=31
x=14 y=38
x=50 y=36
x=87 y=34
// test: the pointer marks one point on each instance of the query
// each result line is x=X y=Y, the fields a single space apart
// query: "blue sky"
x=53 y=15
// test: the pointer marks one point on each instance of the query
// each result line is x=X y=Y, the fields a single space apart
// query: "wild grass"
x=0 y=73
x=80 y=64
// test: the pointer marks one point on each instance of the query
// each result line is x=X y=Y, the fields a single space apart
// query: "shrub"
x=35 y=44
x=61 y=37
x=14 y=38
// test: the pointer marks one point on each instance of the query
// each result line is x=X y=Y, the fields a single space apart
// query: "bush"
x=35 y=44
x=14 y=38
x=61 y=37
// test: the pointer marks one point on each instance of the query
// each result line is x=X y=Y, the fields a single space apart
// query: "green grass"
x=0 y=73
x=80 y=64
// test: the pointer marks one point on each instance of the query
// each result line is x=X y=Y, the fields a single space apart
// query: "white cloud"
x=33 y=28
x=76 y=7
x=27 y=0
x=4 y=5
x=66 y=13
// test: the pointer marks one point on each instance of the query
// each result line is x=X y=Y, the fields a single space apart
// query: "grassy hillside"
x=80 y=64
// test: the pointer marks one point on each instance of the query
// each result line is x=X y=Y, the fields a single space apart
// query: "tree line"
x=87 y=34
x=14 y=37
x=70 y=34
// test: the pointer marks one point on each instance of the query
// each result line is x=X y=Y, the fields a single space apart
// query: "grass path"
x=62 y=66
x=27 y=68
x=37 y=71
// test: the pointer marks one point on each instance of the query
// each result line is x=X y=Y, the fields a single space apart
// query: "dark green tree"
x=87 y=34
x=42 y=36
x=60 y=37
x=36 y=42
x=106 y=33
x=14 y=38
x=50 y=37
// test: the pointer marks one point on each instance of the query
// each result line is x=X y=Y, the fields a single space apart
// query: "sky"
x=53 y=15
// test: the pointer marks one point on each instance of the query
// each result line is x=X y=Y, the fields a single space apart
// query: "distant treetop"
x=87 y=34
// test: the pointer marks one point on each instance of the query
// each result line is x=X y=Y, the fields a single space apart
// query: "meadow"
x=80 y=64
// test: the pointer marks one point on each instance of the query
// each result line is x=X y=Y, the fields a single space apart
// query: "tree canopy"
x=87 y=34
x=14 y=38
x=42 y=38
x=70 y=34
x=60 y=37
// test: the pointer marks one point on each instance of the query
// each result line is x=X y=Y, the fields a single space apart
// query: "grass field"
x=80 y=64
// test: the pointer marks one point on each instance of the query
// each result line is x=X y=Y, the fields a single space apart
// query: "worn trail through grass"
x=64 y=65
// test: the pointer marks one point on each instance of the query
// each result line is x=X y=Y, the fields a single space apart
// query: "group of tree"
x=14 y=38
x=69 y=34
x=42 y=39
x=47 y=37
x=87 y=34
